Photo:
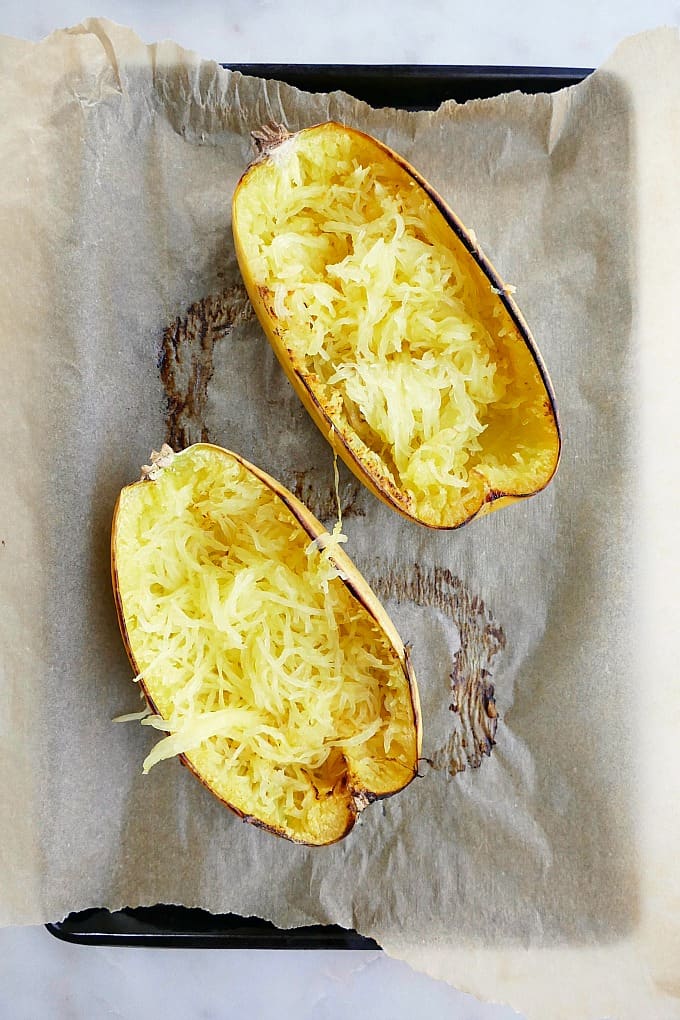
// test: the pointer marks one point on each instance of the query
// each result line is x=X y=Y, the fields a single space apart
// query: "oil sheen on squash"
x=274 y=681
x=391 y=330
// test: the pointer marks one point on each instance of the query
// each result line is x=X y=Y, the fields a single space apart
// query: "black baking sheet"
x=395 y=85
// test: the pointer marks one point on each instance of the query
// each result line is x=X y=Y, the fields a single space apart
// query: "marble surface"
x=560 y=32
x=40 y=976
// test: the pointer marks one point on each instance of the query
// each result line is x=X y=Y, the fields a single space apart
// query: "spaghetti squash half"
x=264 y=656
x=404 y=345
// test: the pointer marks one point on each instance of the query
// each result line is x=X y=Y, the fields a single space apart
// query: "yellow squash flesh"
x=396 y=332
x=263 y=654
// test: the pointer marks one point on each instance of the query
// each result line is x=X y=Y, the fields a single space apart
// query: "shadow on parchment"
x=582 y=886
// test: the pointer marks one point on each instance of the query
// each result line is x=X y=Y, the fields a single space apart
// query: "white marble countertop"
x=577 y=33
x=40 y=976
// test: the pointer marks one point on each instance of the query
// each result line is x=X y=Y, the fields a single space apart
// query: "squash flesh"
x=372 y=302
x=276 y=684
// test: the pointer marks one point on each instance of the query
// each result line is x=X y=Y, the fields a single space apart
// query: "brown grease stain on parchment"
x=186 y=361
x=323 y=504
x=186 y=365
x=481 y=639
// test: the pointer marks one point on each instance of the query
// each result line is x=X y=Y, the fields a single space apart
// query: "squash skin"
x=341 y=439
x=359 y=588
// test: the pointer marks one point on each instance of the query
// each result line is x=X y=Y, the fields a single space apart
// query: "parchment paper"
x=544 y=874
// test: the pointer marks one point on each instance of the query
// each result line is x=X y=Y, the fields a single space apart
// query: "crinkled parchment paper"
x=544 y=874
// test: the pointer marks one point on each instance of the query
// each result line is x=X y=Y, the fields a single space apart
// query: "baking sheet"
x=403 y=88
